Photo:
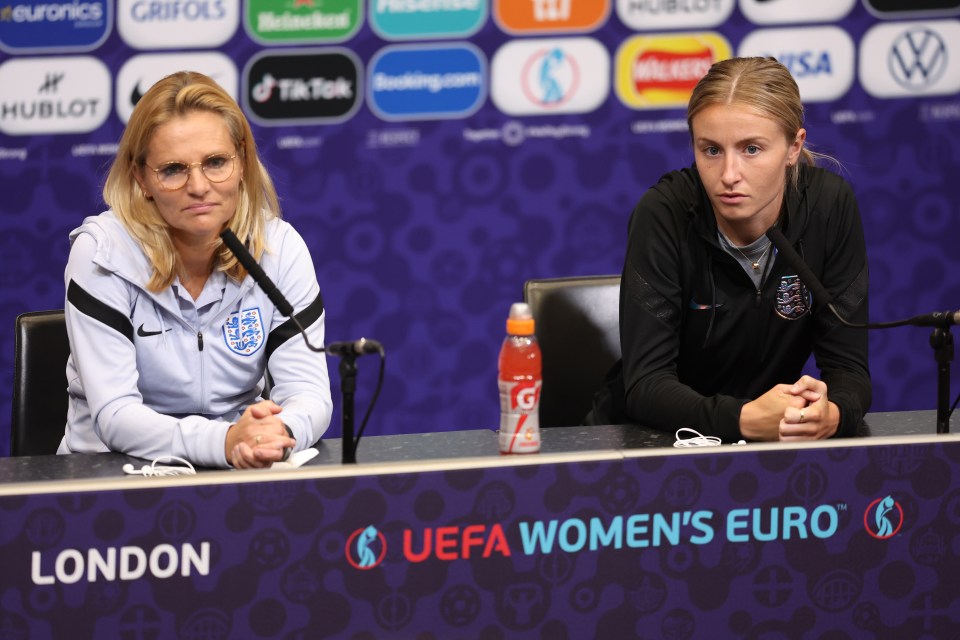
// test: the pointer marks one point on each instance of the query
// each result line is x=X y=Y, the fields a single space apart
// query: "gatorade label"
x=519 y=416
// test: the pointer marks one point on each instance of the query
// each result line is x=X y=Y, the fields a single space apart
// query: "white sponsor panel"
x=909 y=59
x=53 y=95
x=795 y=11
x=177 y=24
x=547 y=76
x=656 y=15
x=139 y=73
x=821 y=59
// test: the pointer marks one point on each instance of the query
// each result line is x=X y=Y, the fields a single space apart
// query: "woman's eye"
x=215 y=162
x=752 y=149
x=172 y=169
x=711 y=151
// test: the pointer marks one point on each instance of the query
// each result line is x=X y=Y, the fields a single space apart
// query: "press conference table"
x=609 y=531
x=450 y=445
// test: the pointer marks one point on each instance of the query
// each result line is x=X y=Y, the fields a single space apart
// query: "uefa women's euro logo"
x=366 y=548
x=883 y=518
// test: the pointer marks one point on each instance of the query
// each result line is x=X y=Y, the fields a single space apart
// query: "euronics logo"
x=410 y=19
x=426 y=82
x=54 y=27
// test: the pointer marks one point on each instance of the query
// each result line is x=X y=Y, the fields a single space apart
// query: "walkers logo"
x=409 y=19
x=28 y=26
x=176 y=24
x=429 y=82
x=908 y=59
x=302 y=87
x=883 y=518
x=658 y=72
x=293 y=21
x=913 y=8
x=793 y=299
x=366 y=548
x=53 y=95
x=821 y=59
x=657 y=15
x=794 y=11
x=547 y=76
x=140 y=72
x=551 y=16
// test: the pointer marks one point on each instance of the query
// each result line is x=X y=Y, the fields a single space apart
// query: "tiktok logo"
x=366 y=548
x=883 y=518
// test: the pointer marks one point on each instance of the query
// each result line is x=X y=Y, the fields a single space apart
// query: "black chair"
x=578 y=328
x=39 y=383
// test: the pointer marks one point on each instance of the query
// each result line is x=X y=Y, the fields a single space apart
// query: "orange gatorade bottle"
x=520 y=382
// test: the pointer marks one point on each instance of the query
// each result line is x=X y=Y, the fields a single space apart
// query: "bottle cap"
x=520 y=321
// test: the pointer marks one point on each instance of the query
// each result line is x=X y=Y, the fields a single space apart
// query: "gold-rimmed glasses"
x=173 y=175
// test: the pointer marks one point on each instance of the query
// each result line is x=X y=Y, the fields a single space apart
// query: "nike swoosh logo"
x=702 y=307
x=147 y=334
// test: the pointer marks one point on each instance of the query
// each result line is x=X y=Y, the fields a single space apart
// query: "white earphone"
x=155 y=469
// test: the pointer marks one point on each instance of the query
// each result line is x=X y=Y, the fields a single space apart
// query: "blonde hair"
x=172 y=97
x=764 y=85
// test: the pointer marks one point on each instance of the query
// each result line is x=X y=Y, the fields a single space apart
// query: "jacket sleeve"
x=651 y=311
x=301 y=384
x=841 y=352
x=97 y=311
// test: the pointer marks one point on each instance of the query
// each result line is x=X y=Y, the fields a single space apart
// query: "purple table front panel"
x=859 y=539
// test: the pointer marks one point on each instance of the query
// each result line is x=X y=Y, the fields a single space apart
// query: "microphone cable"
x=350 y=349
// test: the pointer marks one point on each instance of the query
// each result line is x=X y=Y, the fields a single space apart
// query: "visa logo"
x=807 y=63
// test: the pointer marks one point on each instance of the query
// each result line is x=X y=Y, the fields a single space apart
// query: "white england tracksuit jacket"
x=161 y=374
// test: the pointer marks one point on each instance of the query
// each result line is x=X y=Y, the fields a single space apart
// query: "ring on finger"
x=801 y=419
x=257 y=440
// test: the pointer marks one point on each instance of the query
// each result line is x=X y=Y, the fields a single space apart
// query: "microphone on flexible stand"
x=941 y=340
x=348 y=352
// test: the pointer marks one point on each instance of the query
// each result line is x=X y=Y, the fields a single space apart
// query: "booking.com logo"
x=361 y=549
x=883 y=518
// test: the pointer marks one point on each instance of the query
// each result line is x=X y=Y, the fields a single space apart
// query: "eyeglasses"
x=173 y=175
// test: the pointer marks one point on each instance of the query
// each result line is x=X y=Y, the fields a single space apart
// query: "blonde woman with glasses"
x=170 y=337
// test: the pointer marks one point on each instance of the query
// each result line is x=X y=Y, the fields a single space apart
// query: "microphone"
x=256 y=272
x=354 y=348
x=784 y=248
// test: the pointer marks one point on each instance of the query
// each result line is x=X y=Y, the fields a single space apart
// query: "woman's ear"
x=793 y=154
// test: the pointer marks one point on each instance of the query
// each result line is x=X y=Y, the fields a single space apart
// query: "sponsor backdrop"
x=437 y=153
x=827 y=542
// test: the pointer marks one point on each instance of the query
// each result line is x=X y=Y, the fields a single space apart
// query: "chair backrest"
x=578 y=328
x=39 y=383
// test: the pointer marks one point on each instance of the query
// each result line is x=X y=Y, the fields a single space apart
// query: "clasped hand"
x=258 y=438
x=801 y=411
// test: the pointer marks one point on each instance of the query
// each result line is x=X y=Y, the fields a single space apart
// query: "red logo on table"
x=883 y=518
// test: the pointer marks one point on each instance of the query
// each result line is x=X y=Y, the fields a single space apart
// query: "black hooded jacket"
x=699 y=340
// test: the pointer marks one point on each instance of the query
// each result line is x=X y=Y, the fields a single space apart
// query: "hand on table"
x=258 y=438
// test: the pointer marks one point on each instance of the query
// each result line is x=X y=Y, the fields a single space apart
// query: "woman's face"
x=742 y=158
x=198 y=210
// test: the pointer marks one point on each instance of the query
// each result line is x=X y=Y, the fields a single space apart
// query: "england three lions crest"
x=793 y=299
x=243 y=331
